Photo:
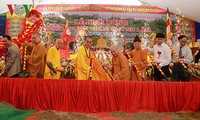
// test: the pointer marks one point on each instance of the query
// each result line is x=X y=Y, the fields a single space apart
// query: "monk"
x=193 y=43
x=120 y=67
x=53 y=56
x=85 y=69
x=67 y=39
x=139 y=58
x=194 y=46
x=101 y=42
x=35 y=61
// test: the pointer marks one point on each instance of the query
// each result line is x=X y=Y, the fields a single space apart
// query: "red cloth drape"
x=100 y=96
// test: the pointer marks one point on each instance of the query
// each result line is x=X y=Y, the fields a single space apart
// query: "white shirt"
x=162 y=54
x=186 y=54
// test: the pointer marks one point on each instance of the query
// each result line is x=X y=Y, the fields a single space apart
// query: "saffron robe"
x=35 y=62
x=83 y=66
x=53 y=56
x=120 y=67
x=194 y=44
x=140 y=59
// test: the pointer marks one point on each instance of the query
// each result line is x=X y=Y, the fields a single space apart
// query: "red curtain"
x=100 y=96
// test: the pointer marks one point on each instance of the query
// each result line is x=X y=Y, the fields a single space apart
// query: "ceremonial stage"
x=100 y=96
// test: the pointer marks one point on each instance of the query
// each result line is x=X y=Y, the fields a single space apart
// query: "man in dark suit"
x=13 y=60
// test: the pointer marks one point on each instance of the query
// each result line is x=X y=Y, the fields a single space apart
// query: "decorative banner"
x=101 y=8
x=188 y=28
x=118 y=24
x=14 y=24
x=2 y=25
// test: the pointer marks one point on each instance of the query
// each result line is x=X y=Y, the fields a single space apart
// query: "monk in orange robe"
x=139 y=58
x=85 y=69
x=35 y=61
x=120 y=67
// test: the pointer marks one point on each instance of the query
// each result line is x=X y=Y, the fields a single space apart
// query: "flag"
x=168 y=28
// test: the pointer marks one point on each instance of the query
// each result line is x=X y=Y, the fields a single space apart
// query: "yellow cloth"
x=53 y=56
x=82 y=66
x=35 y=62
x=148 y=58
x=194 y=44
x=73 y=56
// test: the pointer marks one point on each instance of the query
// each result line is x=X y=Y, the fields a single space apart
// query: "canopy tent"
x=3 y=6
x=186 y=8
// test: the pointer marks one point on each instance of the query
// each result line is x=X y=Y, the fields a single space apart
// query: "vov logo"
x=19 y=9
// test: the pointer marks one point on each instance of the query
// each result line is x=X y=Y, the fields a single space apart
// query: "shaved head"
x=35 y=38
x=112 y=47
x=88 y=42
x=36 y=34
x=58 y=40
x=58 y=43
x=114 y=50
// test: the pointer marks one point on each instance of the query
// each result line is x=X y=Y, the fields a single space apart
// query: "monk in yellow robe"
x=35 y=61
x=101 y=42
x=85 y=69
x=139 y=58
x=53 y=56
x=120 y=67
x=193 y=43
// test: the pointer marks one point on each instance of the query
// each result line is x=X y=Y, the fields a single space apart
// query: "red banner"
x=14 y=25
x=100 y=8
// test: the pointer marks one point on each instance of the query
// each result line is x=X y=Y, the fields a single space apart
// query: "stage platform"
x=100 y=96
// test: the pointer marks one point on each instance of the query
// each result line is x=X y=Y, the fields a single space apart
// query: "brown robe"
x=140 y=59
x=120 y=68
x=36 y=63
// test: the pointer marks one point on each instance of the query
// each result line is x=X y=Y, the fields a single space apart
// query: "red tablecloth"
x=100 y=96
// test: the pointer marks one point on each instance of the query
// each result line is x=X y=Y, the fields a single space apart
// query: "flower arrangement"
x=68 y=65
x=2 y=65
x=103 y=56
x=194 y=69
